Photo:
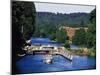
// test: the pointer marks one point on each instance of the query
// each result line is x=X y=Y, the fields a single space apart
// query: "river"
x=34 y=64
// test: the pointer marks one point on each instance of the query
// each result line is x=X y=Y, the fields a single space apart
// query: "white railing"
x=62 y=51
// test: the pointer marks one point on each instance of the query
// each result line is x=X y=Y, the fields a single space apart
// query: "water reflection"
x=34 y=64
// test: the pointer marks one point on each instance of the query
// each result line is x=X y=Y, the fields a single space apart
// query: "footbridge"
x=50 y=51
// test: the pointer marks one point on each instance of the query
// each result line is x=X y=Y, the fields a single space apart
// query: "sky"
x=63 y=8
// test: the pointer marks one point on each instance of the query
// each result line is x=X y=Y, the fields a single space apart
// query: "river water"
x=34 y=64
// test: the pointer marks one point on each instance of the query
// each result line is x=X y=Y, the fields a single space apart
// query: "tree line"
x=87 y=39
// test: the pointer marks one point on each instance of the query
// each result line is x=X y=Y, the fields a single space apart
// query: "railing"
x=62 y=51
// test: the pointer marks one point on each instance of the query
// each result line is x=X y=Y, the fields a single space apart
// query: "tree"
x=80 y=37
x=61 y=36
x=23 y=16
x=26 y=18
x=91 y=34
x=93 y=16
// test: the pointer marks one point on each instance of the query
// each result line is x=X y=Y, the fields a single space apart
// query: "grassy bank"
x=83 y=52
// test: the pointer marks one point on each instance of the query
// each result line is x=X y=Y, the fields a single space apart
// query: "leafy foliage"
x=87 y=38
x=91 y=34
x=80 y=38
x=48 y=24
x=59 y=19
x=61 y=36
x=23 y=15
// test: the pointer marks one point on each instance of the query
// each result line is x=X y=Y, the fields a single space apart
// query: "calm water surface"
x=34 y=64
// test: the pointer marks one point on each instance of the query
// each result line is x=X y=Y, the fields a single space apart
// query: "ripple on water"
x=34 y=63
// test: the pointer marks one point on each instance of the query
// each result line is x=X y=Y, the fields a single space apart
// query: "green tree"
x=91 y=34
x=66 y=44
x=24 y=13
x=93 y=16
x=23 y=17
x=61 y=36
x=80 y=37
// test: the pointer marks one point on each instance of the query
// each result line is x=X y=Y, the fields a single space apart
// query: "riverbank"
x=83 y=52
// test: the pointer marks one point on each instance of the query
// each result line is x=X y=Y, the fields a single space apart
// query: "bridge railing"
x=61 y=50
